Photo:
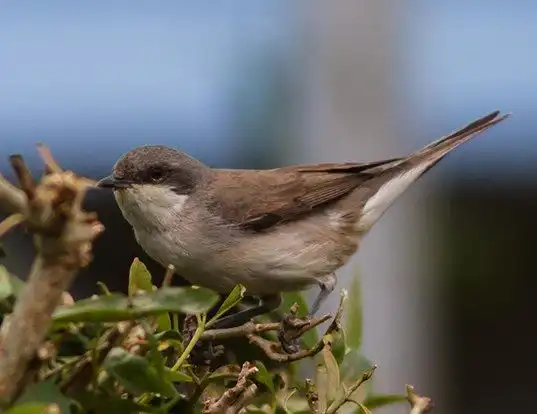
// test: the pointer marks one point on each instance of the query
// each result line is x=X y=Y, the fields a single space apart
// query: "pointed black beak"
x=111 y=182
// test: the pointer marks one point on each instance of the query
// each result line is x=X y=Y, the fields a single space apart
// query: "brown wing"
x=258 y=200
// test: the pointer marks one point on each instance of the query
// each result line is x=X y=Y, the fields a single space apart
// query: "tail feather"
x=445 y=144
x=436 y=150
x=392 y=179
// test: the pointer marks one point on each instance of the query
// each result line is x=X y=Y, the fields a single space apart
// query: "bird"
x=271 y=230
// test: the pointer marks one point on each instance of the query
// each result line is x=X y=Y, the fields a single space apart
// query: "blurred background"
x=448 y=274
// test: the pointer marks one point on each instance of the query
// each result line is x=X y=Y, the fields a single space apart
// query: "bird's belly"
x=291 y=258
x=261 y=272
x=212 y=266
x=297 y=255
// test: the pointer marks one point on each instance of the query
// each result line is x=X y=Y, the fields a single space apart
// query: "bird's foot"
x=292 y=327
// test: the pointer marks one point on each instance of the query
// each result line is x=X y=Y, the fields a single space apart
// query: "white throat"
x=149 y=206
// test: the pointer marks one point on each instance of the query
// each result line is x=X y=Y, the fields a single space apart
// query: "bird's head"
x=154 y=180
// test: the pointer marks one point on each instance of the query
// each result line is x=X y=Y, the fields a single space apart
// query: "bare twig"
x=419 y=404
x=12 y=199
x=10 y=222
x=234 y=399
x=347 y=396
x=271 y=349
x=254 y=328
x=24 y=175
x=64 y=234
x=51 y=166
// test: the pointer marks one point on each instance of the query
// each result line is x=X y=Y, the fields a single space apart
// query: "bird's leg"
x=266 y=304
x=327 y=285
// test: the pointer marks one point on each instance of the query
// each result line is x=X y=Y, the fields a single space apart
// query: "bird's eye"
x=156 y=174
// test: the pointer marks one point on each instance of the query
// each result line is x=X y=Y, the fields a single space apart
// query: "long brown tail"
x=438 y=149
x=445 y=144
x=391 y=179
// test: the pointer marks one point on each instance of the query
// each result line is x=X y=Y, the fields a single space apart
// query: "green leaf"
x=136 y=374
x=232 y=300
x=139 y=278
x=293 y=404
x=353 y=366
x=263 y=376
x=155 y=357
x=339 y=345
x=354 y=314
x=164 y=323
x=321 y=383
x=380 y=400
x=112 y=308
x=103 y=288
x=332 y=373
x=45 y=392
x=117 y=307
x=168 y=335
x=255 y=410
x=5 y=284
x=189 y=300
x=311 y=337
x=100 y=403
x=176 y=376
x=29 y=408
x=9 y=285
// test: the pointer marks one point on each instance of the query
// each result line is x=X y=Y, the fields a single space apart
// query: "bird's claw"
x=291 y=329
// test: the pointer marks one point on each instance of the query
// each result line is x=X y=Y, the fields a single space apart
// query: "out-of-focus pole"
x=352 y=69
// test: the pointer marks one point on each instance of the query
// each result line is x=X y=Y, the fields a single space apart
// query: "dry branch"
x=234 y=399
x=63 y=237
x=12 y=199
x=419 y=404
x=255 y=328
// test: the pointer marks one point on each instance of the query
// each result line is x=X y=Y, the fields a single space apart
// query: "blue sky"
x=132 y=70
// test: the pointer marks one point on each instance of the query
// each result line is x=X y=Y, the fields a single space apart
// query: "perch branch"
x=271 y=350
x=12 y=199
x=64 y=235
x=254 y=328
x=234 y=399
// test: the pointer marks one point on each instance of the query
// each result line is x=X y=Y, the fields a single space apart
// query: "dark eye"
x=156 y=174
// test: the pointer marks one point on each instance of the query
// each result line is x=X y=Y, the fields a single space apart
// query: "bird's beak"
x=111 y=182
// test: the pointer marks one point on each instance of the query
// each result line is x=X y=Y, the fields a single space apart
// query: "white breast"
x=150 y=206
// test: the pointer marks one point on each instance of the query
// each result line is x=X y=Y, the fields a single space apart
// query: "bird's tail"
x=393 y=178
x=435 y=151
x=438 y=149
